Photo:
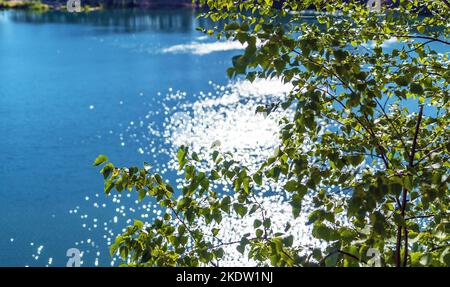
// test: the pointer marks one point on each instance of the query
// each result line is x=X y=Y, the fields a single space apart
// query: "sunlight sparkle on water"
x=224 y=116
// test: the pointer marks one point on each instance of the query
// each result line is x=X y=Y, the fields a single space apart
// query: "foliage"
x=89 y=5
x=24 y=4
x=379 y=177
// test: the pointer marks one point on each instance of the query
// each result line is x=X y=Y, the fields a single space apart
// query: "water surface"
x=131 y=84
x=70 y=84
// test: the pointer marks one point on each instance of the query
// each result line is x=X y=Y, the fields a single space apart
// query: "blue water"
x=71 y=85
x=68 y=83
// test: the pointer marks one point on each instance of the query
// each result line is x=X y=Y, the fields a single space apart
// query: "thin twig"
x=428 y=154
x=416 y=37
x=419 y=46
x=344 y=253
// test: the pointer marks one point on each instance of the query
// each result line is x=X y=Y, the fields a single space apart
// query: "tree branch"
x=405 y=193
x=439 y=247
x=344 y=253
x=416 y=134
x=398 y=247
x=420 y=45
x=432 y=39
x=428 y=154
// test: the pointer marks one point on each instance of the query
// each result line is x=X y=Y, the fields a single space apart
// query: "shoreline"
x=26 y=5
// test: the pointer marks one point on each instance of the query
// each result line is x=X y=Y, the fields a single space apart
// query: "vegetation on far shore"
x=23 y=4
x=37 y=5
x=90 y=5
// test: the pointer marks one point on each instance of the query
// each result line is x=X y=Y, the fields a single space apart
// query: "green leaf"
x=241 y=248
x=257 y=223
x=340 y=55
x=107 y=170
x=240 y=209
x=108 y=186
x=181 y=156
x=426 y=259
x=246 y=182
x=141 y=194
x=291 y=186
x=183 y=202
x=288 y=240
x=159 y=179
x=407 y=183
x=324 y=232
x=257 y=177
x=332 y=260
x=139 y=224
x=123 y=250
x=445 y=257
x=195 y=156
x=219 y=252
x=356 y=160
x=416 y=88
x=296 y=204
x=231 y=26
x=100 y=159
x=113 y=249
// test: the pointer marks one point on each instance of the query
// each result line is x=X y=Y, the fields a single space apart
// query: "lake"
x=131 y=84
x=73 y=86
